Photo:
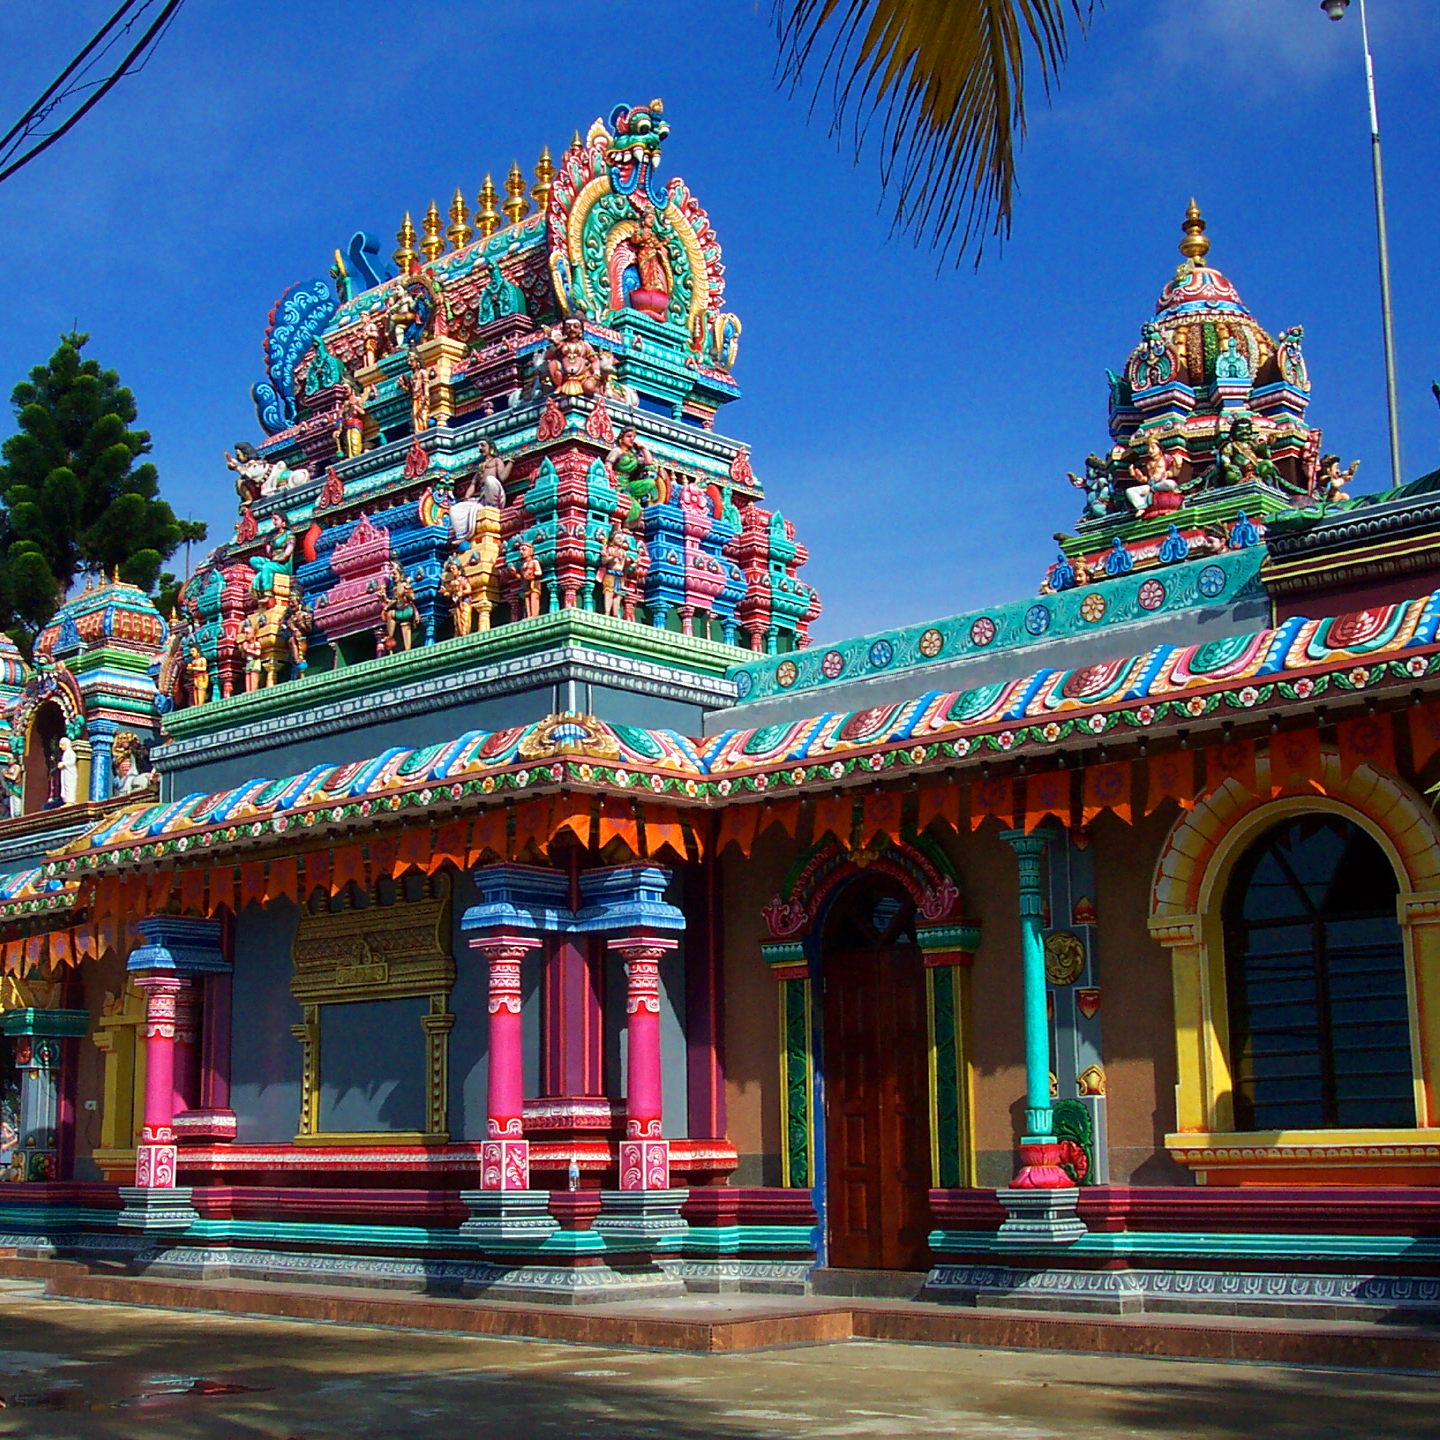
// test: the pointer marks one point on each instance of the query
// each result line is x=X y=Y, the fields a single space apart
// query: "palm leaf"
x=945 y=82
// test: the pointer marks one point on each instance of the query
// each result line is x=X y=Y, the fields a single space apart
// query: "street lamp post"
x=1336 y=9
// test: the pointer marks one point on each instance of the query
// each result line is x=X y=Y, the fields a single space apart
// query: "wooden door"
x=877 y=1109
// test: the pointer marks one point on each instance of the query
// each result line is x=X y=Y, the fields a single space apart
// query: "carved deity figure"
x=634 y=471
x=500 y=297
x=485 y=488
x=278 y=561
x=372 y=336
x=572 y=362
x=419 y=383
x=617 y=560
x=651 y=291
x=1331 y=480
x=131 y=772
x=1152 y=364
x=1242 y=457
x=325 y=369
x=1290 y=359
x=255 y=476
x=253 y=652
x=455 y=591
x=350 y=434
x=401 y=611
x=1231 y=363
x=1154 y=474
x=12 y=780
x=404 y=319
x=67 y=771
x=528 y=573
x=295 y=627
x=1097 y=485
x=198 y=670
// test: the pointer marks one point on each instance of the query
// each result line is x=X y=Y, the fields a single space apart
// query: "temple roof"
x=110 y=613
x=1219 y=682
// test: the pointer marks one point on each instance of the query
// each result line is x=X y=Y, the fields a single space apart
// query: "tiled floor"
x=71 y=1371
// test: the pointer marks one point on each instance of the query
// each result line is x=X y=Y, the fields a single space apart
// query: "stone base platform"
x=731 y=1324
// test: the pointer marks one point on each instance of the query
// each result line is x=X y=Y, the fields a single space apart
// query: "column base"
x=644 y=1164
x=1039 y=1217
x=1040 y=1167
x=641 y=1220
x=153 y=1207
x=508 y=1219
x=505 y=1165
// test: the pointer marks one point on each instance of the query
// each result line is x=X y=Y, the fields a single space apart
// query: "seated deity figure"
x=634 y=471
x=1154 y=475
x=485 y=488
x=1242 y=457
x=572 y=362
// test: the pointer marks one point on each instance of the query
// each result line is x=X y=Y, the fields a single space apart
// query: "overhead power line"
x=83 y=74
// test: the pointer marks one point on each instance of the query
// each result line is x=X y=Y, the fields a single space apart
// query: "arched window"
x=1319 y=1018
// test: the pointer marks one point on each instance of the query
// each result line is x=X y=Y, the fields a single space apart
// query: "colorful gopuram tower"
x=491 y=482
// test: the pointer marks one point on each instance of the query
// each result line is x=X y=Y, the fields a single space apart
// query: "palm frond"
x=944 y=80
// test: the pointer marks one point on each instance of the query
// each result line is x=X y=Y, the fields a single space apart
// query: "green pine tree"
x=75 y=497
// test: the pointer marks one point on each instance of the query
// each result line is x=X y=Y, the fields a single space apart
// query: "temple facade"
x=483 y=883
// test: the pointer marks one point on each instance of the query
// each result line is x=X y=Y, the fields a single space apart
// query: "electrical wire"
x=55 y=95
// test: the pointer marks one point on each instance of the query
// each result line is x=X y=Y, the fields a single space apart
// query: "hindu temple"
x=482 y=884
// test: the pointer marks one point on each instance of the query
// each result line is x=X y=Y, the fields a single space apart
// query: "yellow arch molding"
x=1189 y=883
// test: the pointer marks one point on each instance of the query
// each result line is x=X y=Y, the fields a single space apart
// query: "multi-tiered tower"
x=505 y=440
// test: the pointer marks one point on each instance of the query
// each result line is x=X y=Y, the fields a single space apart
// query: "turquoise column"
x=1039 y=1167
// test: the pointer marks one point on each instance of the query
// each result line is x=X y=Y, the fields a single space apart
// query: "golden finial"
x=544 y=178
x=1194 y=247
x=515 y=202
x=487 y=217
x=575 y=140
x=459 y=231
x=432 y=244
x=406 y=256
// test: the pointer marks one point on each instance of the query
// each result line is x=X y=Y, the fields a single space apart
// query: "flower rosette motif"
x=1416 y=665
x=1359 y=677
x=797 y=776
x=1151 y=594
x=1051 y=732
x=1005 y=739
x=982 y=631
x=837 y=769
x=962 y=748
x=876 y=761
x=832 y=665
x=931 y=643
x=622 y=778
x=1247 y=696
x=1092 y=608
x=786 y=674
x=1145 y=714
x=882 y=652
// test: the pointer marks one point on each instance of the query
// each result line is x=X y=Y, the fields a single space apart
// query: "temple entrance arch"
x=42 y=743
x=875 y=1051
x=837 y=910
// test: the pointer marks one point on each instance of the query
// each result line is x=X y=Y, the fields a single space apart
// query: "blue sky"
x=916 y=425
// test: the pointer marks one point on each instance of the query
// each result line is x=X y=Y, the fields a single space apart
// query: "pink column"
x=644 y=1153
x=155 y=1155
x=505 y=1154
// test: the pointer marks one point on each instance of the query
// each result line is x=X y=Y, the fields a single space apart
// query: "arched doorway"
x=1315 y=975
x=876 y=1078
x=42 y=745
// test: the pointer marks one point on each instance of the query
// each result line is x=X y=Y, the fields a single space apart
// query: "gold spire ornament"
x=515 y=202
x=1194 y=247
x=487 y=217
x=459 y=232
x=406 y=255
x=432 y=245
x=544 y=179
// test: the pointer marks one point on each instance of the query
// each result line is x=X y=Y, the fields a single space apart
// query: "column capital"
x=628 y=898
x=183 y=945
x=502 y=945
x=519 y=898
x=641 y=945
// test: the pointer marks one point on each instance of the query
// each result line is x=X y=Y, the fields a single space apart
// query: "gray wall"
x=265 y=1058
x=372 y=1065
